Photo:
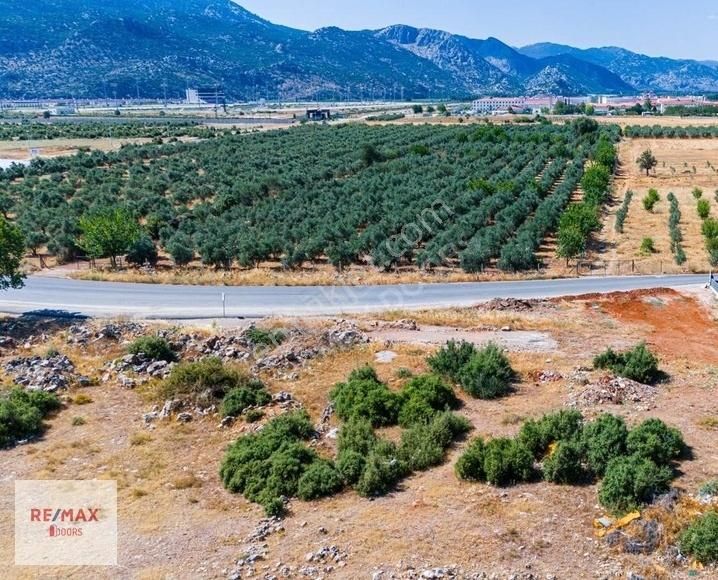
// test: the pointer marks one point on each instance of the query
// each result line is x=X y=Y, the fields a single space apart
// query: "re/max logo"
x=64 y=515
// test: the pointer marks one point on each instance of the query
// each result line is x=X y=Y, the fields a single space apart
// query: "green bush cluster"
x=484 y=373
x=22 y=412
x=632 y=481
x=634 y=465
x=364 y=396
x=422 y=397
x=153 y=347
x=422 y=407
x=274 y=464
x=451 y=359
x=638 y=364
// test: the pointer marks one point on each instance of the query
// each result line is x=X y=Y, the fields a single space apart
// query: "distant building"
x=62 y=110
x=192 y=97
x=493 y=105
x=319 y=114
x=205 y=96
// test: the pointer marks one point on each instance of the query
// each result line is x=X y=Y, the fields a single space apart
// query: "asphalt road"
x=108 y=299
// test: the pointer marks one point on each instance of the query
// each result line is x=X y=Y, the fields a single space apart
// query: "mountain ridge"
x=122 y=48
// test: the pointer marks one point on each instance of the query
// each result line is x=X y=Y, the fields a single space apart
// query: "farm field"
x=176 y=514
x=683 y=165
x=409 y=199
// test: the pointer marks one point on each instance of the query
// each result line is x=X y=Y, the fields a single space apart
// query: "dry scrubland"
x=177 y=520
x=675 y=173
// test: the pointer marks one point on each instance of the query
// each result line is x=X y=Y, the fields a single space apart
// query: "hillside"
x=156 y=47
x=646 y=73
x=491 y=63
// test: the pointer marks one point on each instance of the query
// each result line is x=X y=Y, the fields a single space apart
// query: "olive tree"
x=108 y=233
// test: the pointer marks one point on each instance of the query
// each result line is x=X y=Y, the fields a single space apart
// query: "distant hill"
x=96 y=48
x=645 y=73
x=490 y=66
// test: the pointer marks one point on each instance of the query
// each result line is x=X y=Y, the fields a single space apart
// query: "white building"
x=193 y=97
x=493 y=104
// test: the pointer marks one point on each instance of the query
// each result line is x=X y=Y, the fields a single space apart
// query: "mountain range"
x=153 y=48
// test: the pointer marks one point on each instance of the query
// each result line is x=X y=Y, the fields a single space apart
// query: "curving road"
x=108 y=299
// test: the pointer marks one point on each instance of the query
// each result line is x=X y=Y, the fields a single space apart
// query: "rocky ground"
x=177 y=521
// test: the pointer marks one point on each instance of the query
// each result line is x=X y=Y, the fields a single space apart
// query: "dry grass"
x=470 y=318
x=271 y=275
x=57 y=147
x=140 y=438
x=675 y=173
x=82 y=399
x=708 y=423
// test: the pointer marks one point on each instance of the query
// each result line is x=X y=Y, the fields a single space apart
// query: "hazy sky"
x=687 y=29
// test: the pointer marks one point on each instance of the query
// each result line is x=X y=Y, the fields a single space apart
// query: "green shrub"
x=537 y=435
x=358 y=435
x=638 y=364
x=488 y=374
x=697 y=193
x=364 y=396
x=321 y=479
x=565 y=464
x=470 y=465
x=382 y=471
x=153 y=347
x=603 y=440
x=263 y=337
x=78 y=421
x=423 y=445
x=655 y=440
x=651 y=199
x=350 y=465
x=507 y=462
x=451 y=359
x=703 y=208
x=22 y=412
x=422 y=398
x=648 y=246
x=268 y=465
x=208 y=375
x=631 y=482
x=253 y=415
x=700 y=539
x=142 y=251
x=252 y=394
